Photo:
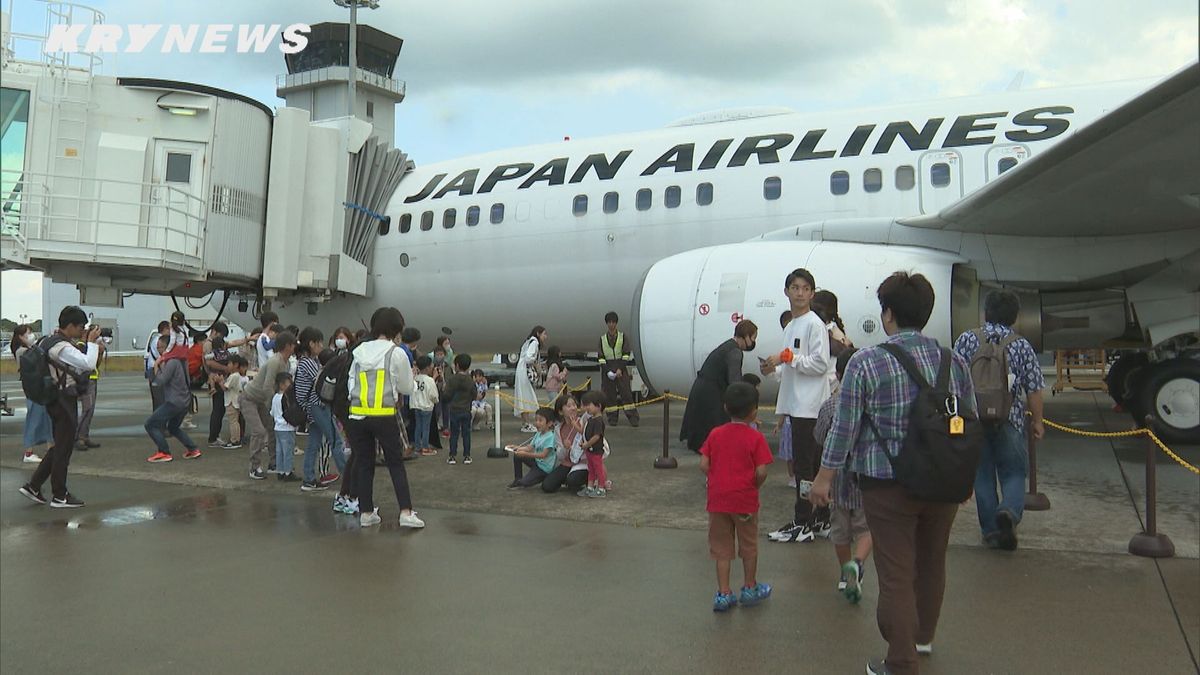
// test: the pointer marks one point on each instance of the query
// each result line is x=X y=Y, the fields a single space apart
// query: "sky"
x=489 y=75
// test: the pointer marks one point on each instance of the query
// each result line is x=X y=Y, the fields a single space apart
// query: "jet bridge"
x=125 y=185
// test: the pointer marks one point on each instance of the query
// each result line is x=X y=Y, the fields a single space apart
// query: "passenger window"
x=839 y=182
x=427 y=221
x=906 y=177
x=772 y=188
x=385 y=225
x=611 y=201
x=704 y=194
x=472 y=216
x=406 y=223
x=672 y=196
x=1005 y=164
x=579 y=207
x=643 y=199
x=497 y=216
x=449 y=217
x=873 y=180
x=939 y=174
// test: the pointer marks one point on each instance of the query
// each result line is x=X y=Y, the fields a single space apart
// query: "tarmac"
x=192 y=567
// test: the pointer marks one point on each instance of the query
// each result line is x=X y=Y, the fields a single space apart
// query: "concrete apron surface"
x=192 y=565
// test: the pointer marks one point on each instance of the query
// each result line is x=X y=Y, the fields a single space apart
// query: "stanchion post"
x=496 y=451
x=666 y=461
x=1034 y=500
x=1150 y=543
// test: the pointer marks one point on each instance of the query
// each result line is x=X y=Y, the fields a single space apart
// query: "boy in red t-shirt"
x=735 y=458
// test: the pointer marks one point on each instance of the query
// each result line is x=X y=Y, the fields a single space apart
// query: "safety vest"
x=376 y=397
x=615 y=352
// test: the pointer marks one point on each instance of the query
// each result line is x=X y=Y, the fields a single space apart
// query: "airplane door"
x=941 y=179
x=176 y=199
x=1001 y=158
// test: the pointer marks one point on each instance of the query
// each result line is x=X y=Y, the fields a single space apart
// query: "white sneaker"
x=410 y=520
x=792 y=482
x=369 y=519
x=31 y=458
x=925 y=650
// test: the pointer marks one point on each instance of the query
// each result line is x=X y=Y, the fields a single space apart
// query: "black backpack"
x=933 y=464
x=38 y=383
x=293 y=414
x=333 y=383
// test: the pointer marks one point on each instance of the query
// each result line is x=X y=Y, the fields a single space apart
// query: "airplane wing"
x=1135 y=169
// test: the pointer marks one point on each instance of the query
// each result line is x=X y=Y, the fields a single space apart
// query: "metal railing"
x=339 y=74
x=106 y=216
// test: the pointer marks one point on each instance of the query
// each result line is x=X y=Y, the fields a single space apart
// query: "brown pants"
x=910 y=539
x=727 y=529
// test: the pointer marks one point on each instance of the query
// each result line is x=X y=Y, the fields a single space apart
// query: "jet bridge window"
x=427 y=221
x=644 y=197
x=839 y=182
x=704 y=194
x=472 y=216
x=939 y=175
x=772 y=188
x=611 y=201
x=906 y=177
x=579 y=206
x=873 y=180
x=497 y=215
x=1005 y=164
x=405 y=224
x=449 y=218
x=672 y=196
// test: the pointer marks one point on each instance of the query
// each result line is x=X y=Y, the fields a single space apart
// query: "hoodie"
x=370 y=356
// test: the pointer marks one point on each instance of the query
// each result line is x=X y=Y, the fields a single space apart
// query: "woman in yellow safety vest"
x=380 y=376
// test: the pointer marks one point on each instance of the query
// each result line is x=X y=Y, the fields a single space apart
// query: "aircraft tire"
x=1118 y=377
x=1170 y=395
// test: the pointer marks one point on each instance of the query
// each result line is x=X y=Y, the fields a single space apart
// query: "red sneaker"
x=159 y=457
x=328 y=478
x=191 y=454
x=445 y=433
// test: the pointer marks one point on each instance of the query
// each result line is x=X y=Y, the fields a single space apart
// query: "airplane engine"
x=687 y=304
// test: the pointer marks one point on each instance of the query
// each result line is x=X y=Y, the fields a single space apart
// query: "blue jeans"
x=421 y=434
x=460 y=425
x=1004 y=458
x=319 y=431
x=167 y=418
x=285 y=447
x=37 y=425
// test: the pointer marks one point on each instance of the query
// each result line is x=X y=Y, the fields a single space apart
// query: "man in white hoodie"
x=803 y=388
x=380 y=376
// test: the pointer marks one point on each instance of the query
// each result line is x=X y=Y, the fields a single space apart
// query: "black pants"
x=574 y=480
x=535 y=474
x=617 y=392
x=217 y=416
x=806 y=460
x=64 y=417
x=363 y=435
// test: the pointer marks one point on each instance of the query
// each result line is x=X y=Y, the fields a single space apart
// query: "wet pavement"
x=191 y=566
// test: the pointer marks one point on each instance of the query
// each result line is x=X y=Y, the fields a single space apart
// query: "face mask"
x=340 y=343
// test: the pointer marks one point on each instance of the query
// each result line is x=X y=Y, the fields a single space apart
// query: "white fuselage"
x=545 y=264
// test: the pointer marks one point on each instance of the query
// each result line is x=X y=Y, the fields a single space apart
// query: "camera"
x=106 y=333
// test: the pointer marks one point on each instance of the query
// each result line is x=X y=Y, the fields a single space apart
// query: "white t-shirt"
x=234 y=384
x=264 y=354
x=805 y=382
x=277 y=412
x=425 y=393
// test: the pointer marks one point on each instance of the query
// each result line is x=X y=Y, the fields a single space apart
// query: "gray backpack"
x=989 y=373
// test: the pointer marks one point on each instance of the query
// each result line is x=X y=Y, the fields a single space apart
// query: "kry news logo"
x=183 y=39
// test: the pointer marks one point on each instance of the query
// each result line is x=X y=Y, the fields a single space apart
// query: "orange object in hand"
x=785 y=356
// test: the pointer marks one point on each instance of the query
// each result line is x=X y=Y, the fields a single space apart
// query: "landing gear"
x=1169 y=393
x=1121 y=375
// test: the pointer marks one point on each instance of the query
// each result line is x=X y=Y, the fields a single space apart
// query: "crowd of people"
x=854 y=426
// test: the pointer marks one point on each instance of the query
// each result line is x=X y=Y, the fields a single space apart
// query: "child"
x=848 y=521
x=556 y=372
x=481 y=410
x=440 y=412
x=460 y=393
x=425 y=396
x=593 y=444
x=285 y=433
x=234 y=383
x=735 y=459
x=539 y=454
x=220 y=355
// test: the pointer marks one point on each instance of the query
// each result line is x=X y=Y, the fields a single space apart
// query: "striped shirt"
x=307 y=370
x=1022 y=365
x=875 y=384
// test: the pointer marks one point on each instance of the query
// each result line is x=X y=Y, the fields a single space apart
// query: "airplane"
x=1084 y=199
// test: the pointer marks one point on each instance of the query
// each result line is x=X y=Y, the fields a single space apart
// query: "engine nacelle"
x=687 y=304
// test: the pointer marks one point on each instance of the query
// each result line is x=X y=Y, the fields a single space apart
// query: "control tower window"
x=472 y=216
x=704 y=194
x=672 y=196
x=497 y=215
x=405 y=223
x=449 y=218
x=427 y=221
